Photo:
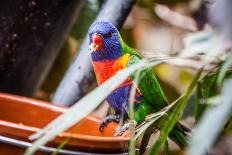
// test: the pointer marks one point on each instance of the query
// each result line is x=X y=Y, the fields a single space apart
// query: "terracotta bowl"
x=20 y=117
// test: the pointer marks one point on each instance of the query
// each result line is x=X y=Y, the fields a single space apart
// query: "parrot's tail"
x=179 y=136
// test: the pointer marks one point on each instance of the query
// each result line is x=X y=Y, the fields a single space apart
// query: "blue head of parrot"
x=104 y=41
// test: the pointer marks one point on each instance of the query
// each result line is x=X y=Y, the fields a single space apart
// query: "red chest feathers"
x=106 y=69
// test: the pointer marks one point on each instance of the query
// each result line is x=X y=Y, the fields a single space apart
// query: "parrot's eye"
x=108 y=35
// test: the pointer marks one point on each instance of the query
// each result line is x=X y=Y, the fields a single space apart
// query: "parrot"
x=110 y=54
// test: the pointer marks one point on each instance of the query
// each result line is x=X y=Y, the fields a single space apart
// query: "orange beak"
x=96 y=42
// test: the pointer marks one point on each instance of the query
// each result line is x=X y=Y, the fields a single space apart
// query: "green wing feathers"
x=149 y=86
x=153 y=93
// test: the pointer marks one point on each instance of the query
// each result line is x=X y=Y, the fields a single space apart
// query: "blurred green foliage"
x=208 y=87
x=56 y=73
x=87 y=15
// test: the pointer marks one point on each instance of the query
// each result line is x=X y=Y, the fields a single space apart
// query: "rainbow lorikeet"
x=110 y=54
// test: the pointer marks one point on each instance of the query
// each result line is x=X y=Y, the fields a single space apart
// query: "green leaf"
x=148 y=128
x=210 y=86
x=228 y=126
x=174 y=115
x=205 y=89
x=142 y=127
x=216 y=116
x=132 y=113
x=212 y=123
x=166 y=148
x=223 y=70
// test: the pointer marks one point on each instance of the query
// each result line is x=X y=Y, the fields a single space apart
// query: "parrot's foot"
x=122 y=129
x=108 y=119
x=125 y=127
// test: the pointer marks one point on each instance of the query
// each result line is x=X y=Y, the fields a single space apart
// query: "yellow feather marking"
x=122 y=62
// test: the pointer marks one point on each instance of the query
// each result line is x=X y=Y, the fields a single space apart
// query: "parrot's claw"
x=108 y=119
x=122 y=129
